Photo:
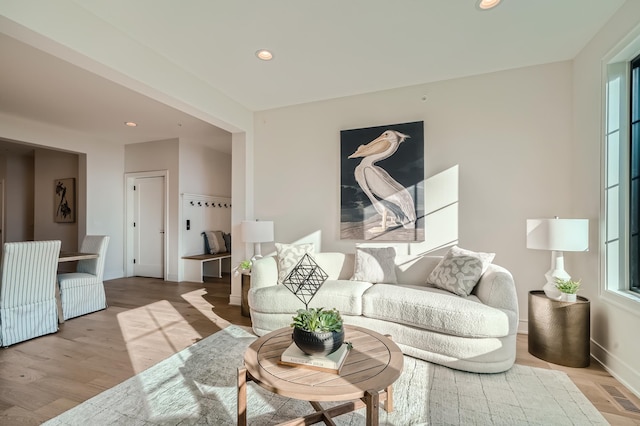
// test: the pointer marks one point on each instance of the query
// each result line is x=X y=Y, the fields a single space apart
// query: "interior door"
x=149 y=232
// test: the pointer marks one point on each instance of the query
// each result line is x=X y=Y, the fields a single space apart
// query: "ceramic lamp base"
x=551 y=291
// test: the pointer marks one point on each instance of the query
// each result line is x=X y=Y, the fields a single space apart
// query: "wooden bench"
x=194 y=265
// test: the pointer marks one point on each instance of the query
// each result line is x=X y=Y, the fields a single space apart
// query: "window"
x=634 y=167
x=622 y=175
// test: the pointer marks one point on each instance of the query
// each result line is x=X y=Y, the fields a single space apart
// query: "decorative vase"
x=568 y=297
x=318 y=343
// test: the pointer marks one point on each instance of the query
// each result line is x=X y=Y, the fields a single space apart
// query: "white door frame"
x=129 y=180
x=2 y=209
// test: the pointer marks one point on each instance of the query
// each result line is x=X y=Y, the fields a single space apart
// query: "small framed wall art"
x=64 y=200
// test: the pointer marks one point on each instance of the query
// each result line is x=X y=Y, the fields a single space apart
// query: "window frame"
x=615 y=276
x=634 y=167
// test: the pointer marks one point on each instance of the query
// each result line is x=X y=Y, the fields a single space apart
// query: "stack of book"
x=331 y=363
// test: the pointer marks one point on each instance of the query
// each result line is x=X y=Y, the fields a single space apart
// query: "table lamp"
x=256 y=232
x=557 y=235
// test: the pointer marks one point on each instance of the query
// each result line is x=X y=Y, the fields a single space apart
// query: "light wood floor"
x=149 y=320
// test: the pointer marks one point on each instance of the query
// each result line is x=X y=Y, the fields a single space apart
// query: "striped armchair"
x=82 y=292
x=28 y=305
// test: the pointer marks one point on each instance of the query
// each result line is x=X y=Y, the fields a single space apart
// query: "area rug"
x=197 y=386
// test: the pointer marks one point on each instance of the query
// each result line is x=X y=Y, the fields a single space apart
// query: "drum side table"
x=559 y=332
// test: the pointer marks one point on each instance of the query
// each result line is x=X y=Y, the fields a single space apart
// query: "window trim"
x=616 y=63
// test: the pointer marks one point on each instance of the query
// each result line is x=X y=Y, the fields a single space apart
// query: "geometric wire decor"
x=305 y=279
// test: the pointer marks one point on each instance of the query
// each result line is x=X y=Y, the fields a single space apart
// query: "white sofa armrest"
x=264 y=272
x=497 y=288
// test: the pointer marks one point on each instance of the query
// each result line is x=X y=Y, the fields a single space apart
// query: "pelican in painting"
x=390 y=199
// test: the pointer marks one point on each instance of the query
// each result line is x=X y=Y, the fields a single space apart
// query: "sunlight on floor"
x=159 y=325
x=196 y=299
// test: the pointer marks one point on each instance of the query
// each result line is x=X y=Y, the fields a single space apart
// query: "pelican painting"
x=382 y=183
x=389 y=198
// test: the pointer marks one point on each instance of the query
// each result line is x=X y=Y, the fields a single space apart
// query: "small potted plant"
x=568 y=289
x=244 y=266
x=317 y=331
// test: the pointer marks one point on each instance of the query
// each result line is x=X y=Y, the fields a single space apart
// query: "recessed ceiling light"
x=487 y=4
x=264 y=54
x=130 y=124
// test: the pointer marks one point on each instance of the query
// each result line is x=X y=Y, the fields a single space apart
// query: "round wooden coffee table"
x=365 y=380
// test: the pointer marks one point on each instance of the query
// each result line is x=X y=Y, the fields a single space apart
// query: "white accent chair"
x=82 y=292
x=28 y=305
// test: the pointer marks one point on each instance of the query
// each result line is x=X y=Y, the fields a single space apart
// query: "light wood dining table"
x=69 y=256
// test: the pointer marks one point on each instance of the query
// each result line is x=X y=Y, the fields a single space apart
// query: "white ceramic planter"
x=566 y=297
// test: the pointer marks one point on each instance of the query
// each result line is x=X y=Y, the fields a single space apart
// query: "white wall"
x=104 y=167
x=614 y=330
x=204 y=170
x=508 y=133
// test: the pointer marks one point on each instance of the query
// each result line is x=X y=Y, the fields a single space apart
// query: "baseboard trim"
x=234 y=300
x=523 y=327
x=628 y=376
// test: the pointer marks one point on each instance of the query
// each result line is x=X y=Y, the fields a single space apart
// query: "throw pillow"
x=207 y=247
x=288 y=256
x=459 y=270
x=227 y=242
x=375 y=265
x=216 y=241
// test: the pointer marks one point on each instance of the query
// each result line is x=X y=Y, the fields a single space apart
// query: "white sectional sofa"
x=475 y=333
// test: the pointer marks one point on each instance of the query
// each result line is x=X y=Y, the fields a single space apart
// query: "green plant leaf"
x=567 y=286
x=317 y=319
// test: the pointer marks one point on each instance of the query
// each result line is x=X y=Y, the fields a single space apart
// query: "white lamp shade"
x=558 y=234
x=257 y=231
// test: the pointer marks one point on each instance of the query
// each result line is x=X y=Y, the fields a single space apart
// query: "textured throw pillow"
x=459 y=270
x=288 y=256
x=216 y=241
x=375 y=265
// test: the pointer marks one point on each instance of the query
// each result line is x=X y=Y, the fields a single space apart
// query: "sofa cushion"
x=375 y=265
x=343 y=295
x=288 y=256
x=459 y=270
x=434 y=309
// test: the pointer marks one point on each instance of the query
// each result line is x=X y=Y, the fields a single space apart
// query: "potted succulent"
x=568 y=289
x=317 y=331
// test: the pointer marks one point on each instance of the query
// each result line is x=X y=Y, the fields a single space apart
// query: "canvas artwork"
x=64 y=206
x=382 y=183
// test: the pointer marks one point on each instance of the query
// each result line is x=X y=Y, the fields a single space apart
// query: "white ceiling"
x=323 y=50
